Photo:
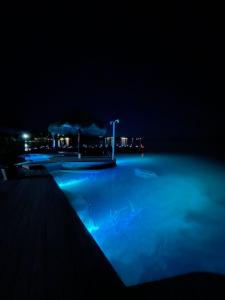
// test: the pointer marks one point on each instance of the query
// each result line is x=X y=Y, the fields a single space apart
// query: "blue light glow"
x=70 y=183
x=155 y=216
x=92 y=228
x=69 y=180
x=36 y=157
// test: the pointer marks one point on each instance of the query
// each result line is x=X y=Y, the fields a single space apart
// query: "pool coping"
x=57 y=163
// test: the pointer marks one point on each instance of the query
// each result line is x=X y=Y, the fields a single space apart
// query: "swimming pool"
x=153 y=216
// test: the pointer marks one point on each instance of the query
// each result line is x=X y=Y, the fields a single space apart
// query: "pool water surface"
x=153 y=216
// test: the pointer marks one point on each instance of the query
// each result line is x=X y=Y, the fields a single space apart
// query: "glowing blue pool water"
x=36 y=157
x=155 y=216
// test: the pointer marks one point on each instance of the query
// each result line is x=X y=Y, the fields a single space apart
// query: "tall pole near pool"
x=78 y=143
x=25 y=136
x=113 y=123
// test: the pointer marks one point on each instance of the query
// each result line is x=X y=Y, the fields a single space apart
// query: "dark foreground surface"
x=190 y=286
x=46 y=253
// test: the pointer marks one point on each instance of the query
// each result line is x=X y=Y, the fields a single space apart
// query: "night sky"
x=160 y=70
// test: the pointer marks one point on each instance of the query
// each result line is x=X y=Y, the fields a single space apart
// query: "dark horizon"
x=161 y=74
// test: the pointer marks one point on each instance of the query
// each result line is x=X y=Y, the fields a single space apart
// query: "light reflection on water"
x=155 y=216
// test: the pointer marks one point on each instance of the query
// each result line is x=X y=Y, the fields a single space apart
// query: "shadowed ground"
x=45 y=251
x=191 y=286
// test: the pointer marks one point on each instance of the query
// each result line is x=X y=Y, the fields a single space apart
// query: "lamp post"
x=113 y=123
x=78 y=144
x=25 y=136
x=140 y=141
x=53 y=141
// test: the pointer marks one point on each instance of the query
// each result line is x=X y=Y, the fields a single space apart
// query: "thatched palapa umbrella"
x=69 y=128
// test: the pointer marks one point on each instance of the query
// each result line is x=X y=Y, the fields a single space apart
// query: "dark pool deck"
x=46 y=253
